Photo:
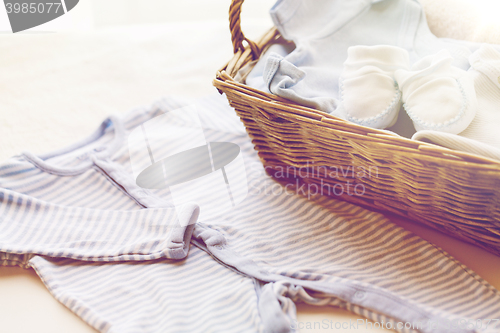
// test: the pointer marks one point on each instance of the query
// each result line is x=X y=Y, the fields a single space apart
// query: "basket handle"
x=237 y=36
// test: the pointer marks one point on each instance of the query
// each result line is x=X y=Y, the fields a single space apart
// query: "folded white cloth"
x=458 y=142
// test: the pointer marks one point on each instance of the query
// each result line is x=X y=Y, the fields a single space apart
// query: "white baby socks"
x=436 y=95
x=369 y=93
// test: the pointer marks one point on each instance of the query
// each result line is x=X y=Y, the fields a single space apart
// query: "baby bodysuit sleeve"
x=32 y=226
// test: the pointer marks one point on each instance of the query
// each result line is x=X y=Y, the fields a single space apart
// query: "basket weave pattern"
x=455 y=192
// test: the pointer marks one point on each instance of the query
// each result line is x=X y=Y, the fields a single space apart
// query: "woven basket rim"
x=223 y=80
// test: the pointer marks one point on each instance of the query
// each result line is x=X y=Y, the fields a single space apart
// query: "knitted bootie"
x=438 y=96
x=369 y=94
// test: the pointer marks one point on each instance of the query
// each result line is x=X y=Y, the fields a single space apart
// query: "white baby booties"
x=438 y=96
x=369 y=93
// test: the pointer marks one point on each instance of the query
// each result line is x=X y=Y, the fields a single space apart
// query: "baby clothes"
x=322 y=34
x=282 y=244
x=77 y=217
x=329 y=252
x=481 y=136
x=436 y=95
x=369 y=93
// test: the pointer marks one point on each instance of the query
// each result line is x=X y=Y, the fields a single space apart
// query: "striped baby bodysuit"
x=115 y=253
x=77 y=217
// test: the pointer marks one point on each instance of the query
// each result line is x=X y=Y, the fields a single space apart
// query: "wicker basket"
x=455 y=192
